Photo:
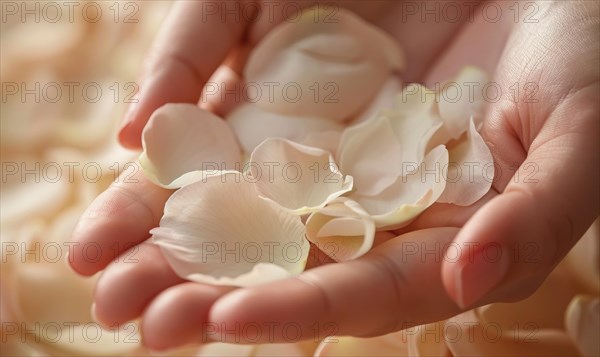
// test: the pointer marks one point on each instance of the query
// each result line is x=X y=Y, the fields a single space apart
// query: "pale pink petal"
x=462 y=99
x=330 y=69
x=470 y=170
x=180 y=139
x=582 y=321
x=342 y=230
x=297 y=177
x=206 y=221
x=386 y=98
x=252 y=125
x=412 y=192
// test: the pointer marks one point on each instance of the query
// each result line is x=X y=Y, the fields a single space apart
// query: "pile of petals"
x=254 y=188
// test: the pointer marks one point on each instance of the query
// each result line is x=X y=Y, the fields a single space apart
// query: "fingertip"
x=129 y=137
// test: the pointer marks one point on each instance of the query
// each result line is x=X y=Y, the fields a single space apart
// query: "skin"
x=556 y=136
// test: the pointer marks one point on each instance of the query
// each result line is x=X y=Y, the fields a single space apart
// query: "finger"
x=384 y=291
x=118 y=219
x=191 y=45
x=129 y=284
x=520 y=235
x=179 y=315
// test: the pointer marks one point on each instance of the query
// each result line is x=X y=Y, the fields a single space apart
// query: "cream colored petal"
x=330 y=69
x=31 y=199
x=461 y=99
x=470 y=170
x=582 y=322
x=297 y=177
x=342 y=230
x=410 y=194
x=385 y=99
x=465 y=335
x=326 y=140
x=415 y=121
x=369 y=152
x=182 y=138
x=393 y=344
x=252 y=125
x=377 y=151
x=219 y=231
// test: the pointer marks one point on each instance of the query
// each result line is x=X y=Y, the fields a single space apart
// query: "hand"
x=388 y=289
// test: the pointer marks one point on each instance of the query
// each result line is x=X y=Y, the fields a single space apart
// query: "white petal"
x=252 y=125
x=376 y=152
x=470 y=170
x=461 y=99
x=369 y=152
x=385 y=99
x=582 y=322
x=219 y=231
x=410 y=194
x=342 y=230
x=297 y=177
x=326 y=140
x=182 y=138
x=329 y=69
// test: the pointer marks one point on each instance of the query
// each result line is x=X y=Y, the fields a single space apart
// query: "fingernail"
x=483 y=271
x=128 y=119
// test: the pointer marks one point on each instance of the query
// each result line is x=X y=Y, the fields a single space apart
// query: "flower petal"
x=376 y=152
x=385 y=99
x=219 y=231
x=182 y=139
x=410 y=194
x=343 y=230
x=326 y=140
x=369 y=152
x=582 y=322
x=297 y=177
x=462 y=99
x=470 y=171
x=330 y=69
x=252 y=125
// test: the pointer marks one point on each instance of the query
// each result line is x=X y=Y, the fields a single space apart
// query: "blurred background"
x=68 y=71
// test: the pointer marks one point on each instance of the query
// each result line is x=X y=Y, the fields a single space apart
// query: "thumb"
x=517 y=238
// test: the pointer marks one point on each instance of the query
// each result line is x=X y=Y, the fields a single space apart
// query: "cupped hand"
x=543 y=133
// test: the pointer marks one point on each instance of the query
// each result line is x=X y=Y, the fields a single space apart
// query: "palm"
x=174 y=311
